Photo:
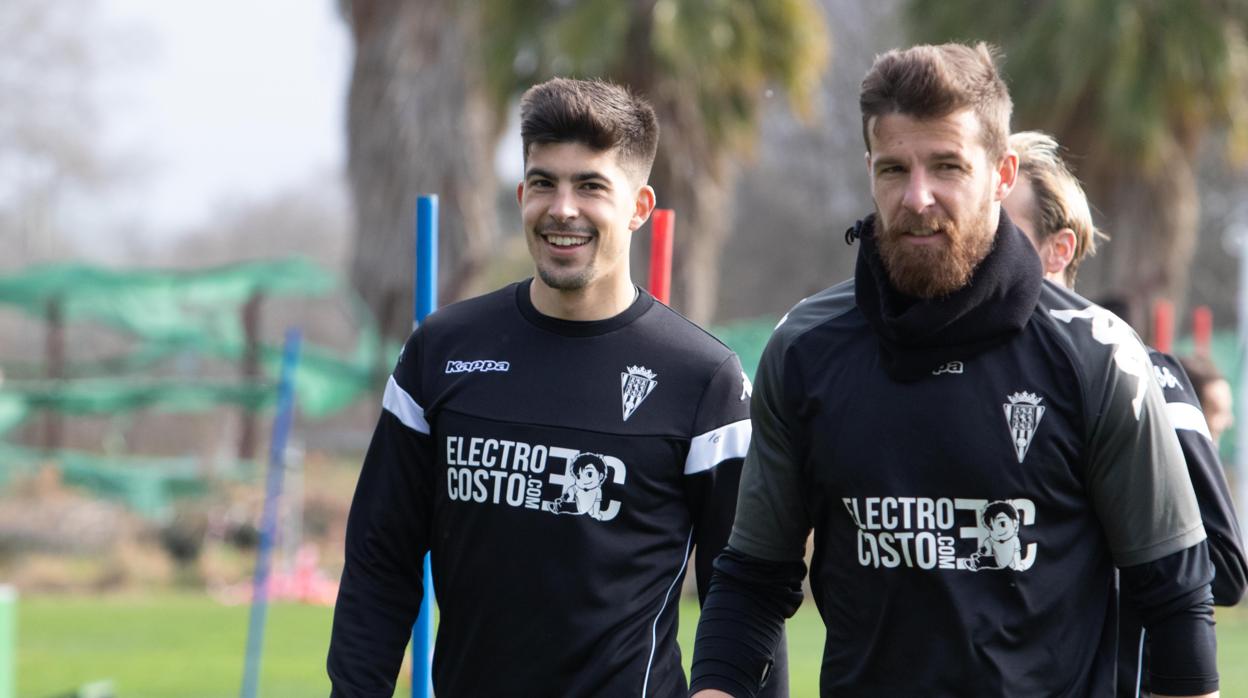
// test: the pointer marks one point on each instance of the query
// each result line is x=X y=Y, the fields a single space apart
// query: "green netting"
x=175 y=314
x=747 y=338
x=179 y=307
x=148 y=486
x=324 y=382
x=13 y=411
x=124 y=394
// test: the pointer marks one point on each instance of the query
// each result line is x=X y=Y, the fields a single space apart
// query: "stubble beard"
x=935 y=271
x=559 y=277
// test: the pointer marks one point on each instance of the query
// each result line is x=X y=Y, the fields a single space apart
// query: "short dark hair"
x=996 y=508
x=585 y=460
x=598 y=114
x=931 y=82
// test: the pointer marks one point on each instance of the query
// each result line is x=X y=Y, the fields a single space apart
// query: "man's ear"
x=1007 y=174
x=520 y=193
x=642 y=207
x=1060 y=251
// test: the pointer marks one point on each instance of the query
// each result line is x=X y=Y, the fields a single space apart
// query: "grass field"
x=191 y=647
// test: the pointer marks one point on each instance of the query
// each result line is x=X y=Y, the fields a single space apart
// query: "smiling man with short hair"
x=561 y=491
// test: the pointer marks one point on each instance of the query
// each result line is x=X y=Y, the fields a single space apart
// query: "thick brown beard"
x=934 y=271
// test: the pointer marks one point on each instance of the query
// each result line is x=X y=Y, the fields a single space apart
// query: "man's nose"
x=918 y=194
x=563 y=206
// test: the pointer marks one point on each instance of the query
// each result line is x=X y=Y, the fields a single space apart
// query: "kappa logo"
x=1165 y=377
x=951 y=367
x=1129 y=355
x=747 y=388
x=636 y=384
x=483 y=366
x=1023 y=413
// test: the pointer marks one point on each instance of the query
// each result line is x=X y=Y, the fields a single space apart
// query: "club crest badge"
x=1023 y=413
x=636 y=384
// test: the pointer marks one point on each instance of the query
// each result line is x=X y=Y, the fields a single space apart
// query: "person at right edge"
x=1049 y=206
x=976 y=451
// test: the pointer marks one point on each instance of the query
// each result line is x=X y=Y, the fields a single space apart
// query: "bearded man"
x=893 y=410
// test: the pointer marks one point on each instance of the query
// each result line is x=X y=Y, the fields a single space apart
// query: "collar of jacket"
x=919 y=335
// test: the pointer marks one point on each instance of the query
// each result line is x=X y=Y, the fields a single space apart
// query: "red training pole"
x=1163 y=325
x=662 y=229
x=1202 y=329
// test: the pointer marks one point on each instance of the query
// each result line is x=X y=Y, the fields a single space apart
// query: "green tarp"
x=180 y=307
x=175 y=314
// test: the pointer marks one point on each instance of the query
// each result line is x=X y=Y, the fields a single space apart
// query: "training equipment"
x=426 y=303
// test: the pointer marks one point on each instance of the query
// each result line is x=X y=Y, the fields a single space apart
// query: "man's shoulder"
x=1174 y=381
x=473 y=312
x=1090 y=333
x=694 y=343
x=828 y=305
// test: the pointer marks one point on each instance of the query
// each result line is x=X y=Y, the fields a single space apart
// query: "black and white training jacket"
x=560 y=473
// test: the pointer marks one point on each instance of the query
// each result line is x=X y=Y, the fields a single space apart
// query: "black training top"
x=560 y=473
x=973 y=470
x=1217 y=513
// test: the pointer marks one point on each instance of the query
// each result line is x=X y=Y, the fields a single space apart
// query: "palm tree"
x=1131 y=89
x=417 y=122
x=706 y=65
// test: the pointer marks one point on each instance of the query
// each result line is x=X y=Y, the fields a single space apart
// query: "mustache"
x=909 y=221
x=557 y=228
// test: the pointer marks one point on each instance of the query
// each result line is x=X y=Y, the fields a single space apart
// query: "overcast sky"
x=219 y=101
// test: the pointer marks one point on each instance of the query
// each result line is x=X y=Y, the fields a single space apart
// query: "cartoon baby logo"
x=584 y=494
x=1001 y=549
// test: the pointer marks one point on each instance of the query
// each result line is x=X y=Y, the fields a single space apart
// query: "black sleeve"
x=387 y=538
x=720 y=436
x=742 y=623
x=1217 y=511
x=713 y=497
x=1174 y=602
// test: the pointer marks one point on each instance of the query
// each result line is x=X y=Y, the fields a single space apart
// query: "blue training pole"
x=268 y=525
x=426 y=302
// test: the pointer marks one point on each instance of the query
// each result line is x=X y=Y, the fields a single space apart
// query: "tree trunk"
x=688 y=176
x=417 y=123
x=250 y=419
x=692 y=179
x=696 y=187
x=1152 y=218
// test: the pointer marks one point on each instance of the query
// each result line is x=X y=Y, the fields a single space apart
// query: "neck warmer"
x=919 y=335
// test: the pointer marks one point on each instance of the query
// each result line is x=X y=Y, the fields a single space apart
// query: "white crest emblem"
x=636 y=384
x=1023 y=413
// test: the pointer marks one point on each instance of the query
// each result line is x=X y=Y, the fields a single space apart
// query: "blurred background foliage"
x=138 y=365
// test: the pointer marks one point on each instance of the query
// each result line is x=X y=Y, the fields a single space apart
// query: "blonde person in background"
x=1049 y=206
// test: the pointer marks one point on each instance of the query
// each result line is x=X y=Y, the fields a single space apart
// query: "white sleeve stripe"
x=1185 y=415
x=398 y=403
x=712 y=448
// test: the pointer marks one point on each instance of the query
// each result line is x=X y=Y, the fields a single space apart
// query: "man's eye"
x=594 y=186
